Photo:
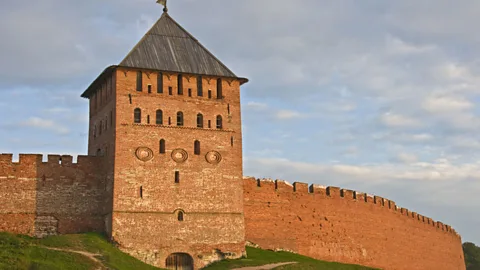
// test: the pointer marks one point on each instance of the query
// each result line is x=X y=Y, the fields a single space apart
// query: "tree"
x=472 y=256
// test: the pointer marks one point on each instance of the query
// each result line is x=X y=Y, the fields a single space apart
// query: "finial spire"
x=164 y=3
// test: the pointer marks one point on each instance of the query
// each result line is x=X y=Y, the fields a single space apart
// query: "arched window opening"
x=219 y=89
x=180 y=119
x=219 y=122
x=209 y=123
x=160 y=83
x=180 y=84
x=199 y=120
x=162 y=146
x=139 y=81
x=169 y=121
x=149 y=88
x=170 y=90
x=199 y=86
x=177 y=177
x=159 y=117
x=148 y=119
x=190 y=92
x=196 y=148
x=137 y=116
x=209 y=93
x=180 y=216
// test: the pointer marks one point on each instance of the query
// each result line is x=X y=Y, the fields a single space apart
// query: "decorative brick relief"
x=213 y=157
x=144 y=154
x=179 y=155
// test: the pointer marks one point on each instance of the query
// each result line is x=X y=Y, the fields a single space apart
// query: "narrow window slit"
x=177 y=177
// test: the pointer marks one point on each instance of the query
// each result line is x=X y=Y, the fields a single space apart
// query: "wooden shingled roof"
x=167 y=46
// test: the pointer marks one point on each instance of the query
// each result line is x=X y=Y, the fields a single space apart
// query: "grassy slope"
x=22 y=252
x=262 y=257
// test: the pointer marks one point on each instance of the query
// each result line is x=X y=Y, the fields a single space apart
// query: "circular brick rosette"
x=179 y=155
x=213 y=157
x=144 y=154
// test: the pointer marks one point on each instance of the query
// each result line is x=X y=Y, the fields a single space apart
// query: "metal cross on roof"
x=164 y=3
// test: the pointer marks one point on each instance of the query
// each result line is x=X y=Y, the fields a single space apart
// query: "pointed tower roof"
x=167 y=46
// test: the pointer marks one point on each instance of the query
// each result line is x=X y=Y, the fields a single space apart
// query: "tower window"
x=231 y=141
x=219 y=122
x=169 y=121
x=177 y=177
x=189 y=92
x=209 y=124
x=148 y=119
x=170 y=90
x=219 y=89
x=180 y=119
x=130 y=98
x=180 y=84
x=141 y=192
x=209 y=93
x=139 y=81
x=137 y=116
x=228 y=109
x=159 y=117
x=160 y=83
x=162 y=146
x=180 y=216
x=196 y=147
x=199 y=120
x=199 y=86
x=149 y=87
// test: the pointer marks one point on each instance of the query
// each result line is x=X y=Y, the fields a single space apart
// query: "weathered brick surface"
x=330 y=224
x=44 y=198
x=210 y=195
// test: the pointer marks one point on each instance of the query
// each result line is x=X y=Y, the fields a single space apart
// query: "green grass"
x=257 y=257
x=22 y=252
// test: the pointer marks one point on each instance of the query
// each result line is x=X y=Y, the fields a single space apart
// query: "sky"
x=375 y=96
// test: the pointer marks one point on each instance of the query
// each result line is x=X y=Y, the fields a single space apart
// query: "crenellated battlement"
x=282 y=187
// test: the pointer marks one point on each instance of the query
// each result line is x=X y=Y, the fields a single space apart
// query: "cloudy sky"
x=375 y=96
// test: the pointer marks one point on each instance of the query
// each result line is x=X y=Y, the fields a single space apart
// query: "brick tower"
x=167 y=122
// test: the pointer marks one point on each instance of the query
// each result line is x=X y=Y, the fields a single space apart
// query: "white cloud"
x=252 y=105
x=288 y=114
x=407 y=158
x=46 y=124
x=446 y=104
x=397 y=120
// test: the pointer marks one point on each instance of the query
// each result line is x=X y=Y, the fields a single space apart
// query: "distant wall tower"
x=168 y=120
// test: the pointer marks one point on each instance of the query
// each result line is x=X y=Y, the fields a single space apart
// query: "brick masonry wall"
x=146 y=195
x=345 y=226
x=55 y=197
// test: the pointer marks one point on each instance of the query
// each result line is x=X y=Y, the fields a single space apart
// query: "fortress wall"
x=346 y=226
x=57 y=196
